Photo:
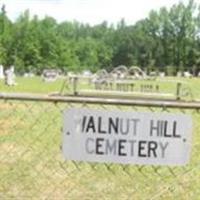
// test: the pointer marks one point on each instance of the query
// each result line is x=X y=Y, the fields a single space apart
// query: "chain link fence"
x=32 y=165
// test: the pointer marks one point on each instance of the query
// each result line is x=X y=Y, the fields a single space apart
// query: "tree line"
x=167 y=40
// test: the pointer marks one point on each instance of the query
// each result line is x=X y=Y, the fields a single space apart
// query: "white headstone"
x=187 y=74
x=50 y=75
x=162 y=74
x=10 y=76
x=1 y=72
x=179 y=74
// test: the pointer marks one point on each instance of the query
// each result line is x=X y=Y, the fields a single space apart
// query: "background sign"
x=127 y=137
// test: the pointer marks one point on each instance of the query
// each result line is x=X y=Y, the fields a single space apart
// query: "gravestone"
x=162 y=74
x=10 y=76
x=187 y=74
x=50 y=75
x=87 y=73
x=179 y=74
x=136 y=73
x=1 y=72
x=119 y=72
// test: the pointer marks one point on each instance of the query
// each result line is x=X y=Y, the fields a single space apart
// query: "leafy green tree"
x=167 y=37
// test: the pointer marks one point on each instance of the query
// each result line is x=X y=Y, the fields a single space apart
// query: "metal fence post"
x=75 y=81
x=178 y=91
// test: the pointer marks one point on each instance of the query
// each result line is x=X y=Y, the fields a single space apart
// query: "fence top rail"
x=143 y=102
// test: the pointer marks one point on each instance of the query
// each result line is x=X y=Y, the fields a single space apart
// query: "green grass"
x=37 y=85
x=32 y=164
x=32 y=85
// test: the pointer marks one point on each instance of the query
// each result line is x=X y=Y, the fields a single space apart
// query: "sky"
x=88 y=11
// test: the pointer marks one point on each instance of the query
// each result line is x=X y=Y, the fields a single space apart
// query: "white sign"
x=127 y=137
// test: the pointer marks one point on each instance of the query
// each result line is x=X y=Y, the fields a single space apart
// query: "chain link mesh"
x=32 y=165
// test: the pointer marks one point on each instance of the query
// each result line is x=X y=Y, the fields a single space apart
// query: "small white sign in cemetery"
x=127 y=137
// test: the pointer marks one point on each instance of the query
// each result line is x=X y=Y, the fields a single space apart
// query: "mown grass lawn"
x=37 y=85
x=32 y=164
x=32 y=85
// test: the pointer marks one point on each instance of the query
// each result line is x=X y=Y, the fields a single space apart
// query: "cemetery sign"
x=143 y=138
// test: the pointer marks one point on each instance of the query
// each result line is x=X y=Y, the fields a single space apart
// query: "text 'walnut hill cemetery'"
x=127 y=137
